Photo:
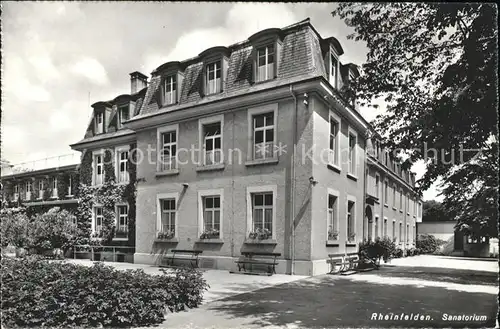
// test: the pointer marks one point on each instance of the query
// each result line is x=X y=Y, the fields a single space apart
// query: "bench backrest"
x=183 y=251
x=269 y=254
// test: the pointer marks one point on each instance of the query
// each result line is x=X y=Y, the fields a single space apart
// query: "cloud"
x=91 y=69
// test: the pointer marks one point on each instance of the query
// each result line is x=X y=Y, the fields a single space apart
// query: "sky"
x=60 y=57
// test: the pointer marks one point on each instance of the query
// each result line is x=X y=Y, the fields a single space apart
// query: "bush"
x=43 y=293
x=428 y=244
x=380 y=248
x=398 y=253
x=14 y=227
x=52 y=229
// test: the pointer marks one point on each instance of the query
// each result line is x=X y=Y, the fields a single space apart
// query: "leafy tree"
x=435 y=66
x=434 y=211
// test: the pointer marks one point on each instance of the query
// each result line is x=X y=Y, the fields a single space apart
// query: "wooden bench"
x=182 y=254
x=343 y=264
x=267 y=259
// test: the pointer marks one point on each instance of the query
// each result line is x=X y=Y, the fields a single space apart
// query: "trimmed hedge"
x=428 y=244
x=42 y=293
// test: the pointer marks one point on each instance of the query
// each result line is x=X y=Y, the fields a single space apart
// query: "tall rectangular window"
x=376 y=227
x=123 y=115
x=350 y=221
x=333 y=226
x=262 y=211
x=29 y=189
x=407 y=235
x=213 y=76
x=98 y=219
x=123 y=176
x=53 y=186
x=394 y=195
x=401 y=199
x=400 y=232
x=377 y=185
x=70 y=185
x=394 y=230
x=212 y=139
x=385 y=227
x=352 y=154
x=98 y=169
x=168 y=160
x=169 y=90
x=41 y=188
x=168 y=213
x=99 y=122
x=122 y=222
x=265 y=63
x=386 y=192
x=333 y=156
x=211 y=215
x=263 y=135
x=333 y=70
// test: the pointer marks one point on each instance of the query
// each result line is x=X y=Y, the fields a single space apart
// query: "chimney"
x=138 y=81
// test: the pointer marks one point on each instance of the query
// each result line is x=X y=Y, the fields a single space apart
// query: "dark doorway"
x=458 y=241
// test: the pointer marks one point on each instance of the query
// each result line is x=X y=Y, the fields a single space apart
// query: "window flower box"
x=121 y=233
x=260 y=234
x=167 y=235
x=210 y=234
x=333 y=235
x=351 y=237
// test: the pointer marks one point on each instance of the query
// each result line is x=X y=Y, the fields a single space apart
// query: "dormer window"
x=169 y=90
x=99 y=123
x=265 y=63
x=213 y=78
x=123 y=115
x=334 y=70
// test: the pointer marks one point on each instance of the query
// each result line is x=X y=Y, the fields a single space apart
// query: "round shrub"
x=428 y=244
x=38 y=293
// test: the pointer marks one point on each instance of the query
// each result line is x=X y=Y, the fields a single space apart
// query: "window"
x=263 y=135
x=53 y=185
x=334 y=145
x=98 y=219
x=385 y=227
x=98 y=169
x=168 y=160
x=70 y=185
x=377 y=185
x=394 y=230
x=333 y=70
x=212 y=137
x=265 y=63
x=414 y=207
x=350 y=221
x=123 y=115
x=123 y=176
x=169 y=90
x=407 y=237
x=211 y=216
x=121 y=221
x=386 y=193
x=333 y=226
x=352 y=153
x=99 y=123
x=261 y=210
x=400 y=232
x=213 y=76
x=376 y=227
x=394 y=195
x=29 y=188
x=401 y=199
x=40 y=189
x=168 y=212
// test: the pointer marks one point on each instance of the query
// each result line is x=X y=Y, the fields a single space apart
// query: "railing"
x=99 y=250
x=47 y=163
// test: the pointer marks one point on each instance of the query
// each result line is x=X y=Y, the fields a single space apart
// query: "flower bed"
x=37 y=292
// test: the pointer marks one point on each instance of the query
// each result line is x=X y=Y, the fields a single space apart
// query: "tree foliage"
x=434 y=211
x=435 y=66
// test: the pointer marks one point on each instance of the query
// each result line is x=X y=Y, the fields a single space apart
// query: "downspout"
x=292 y=185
